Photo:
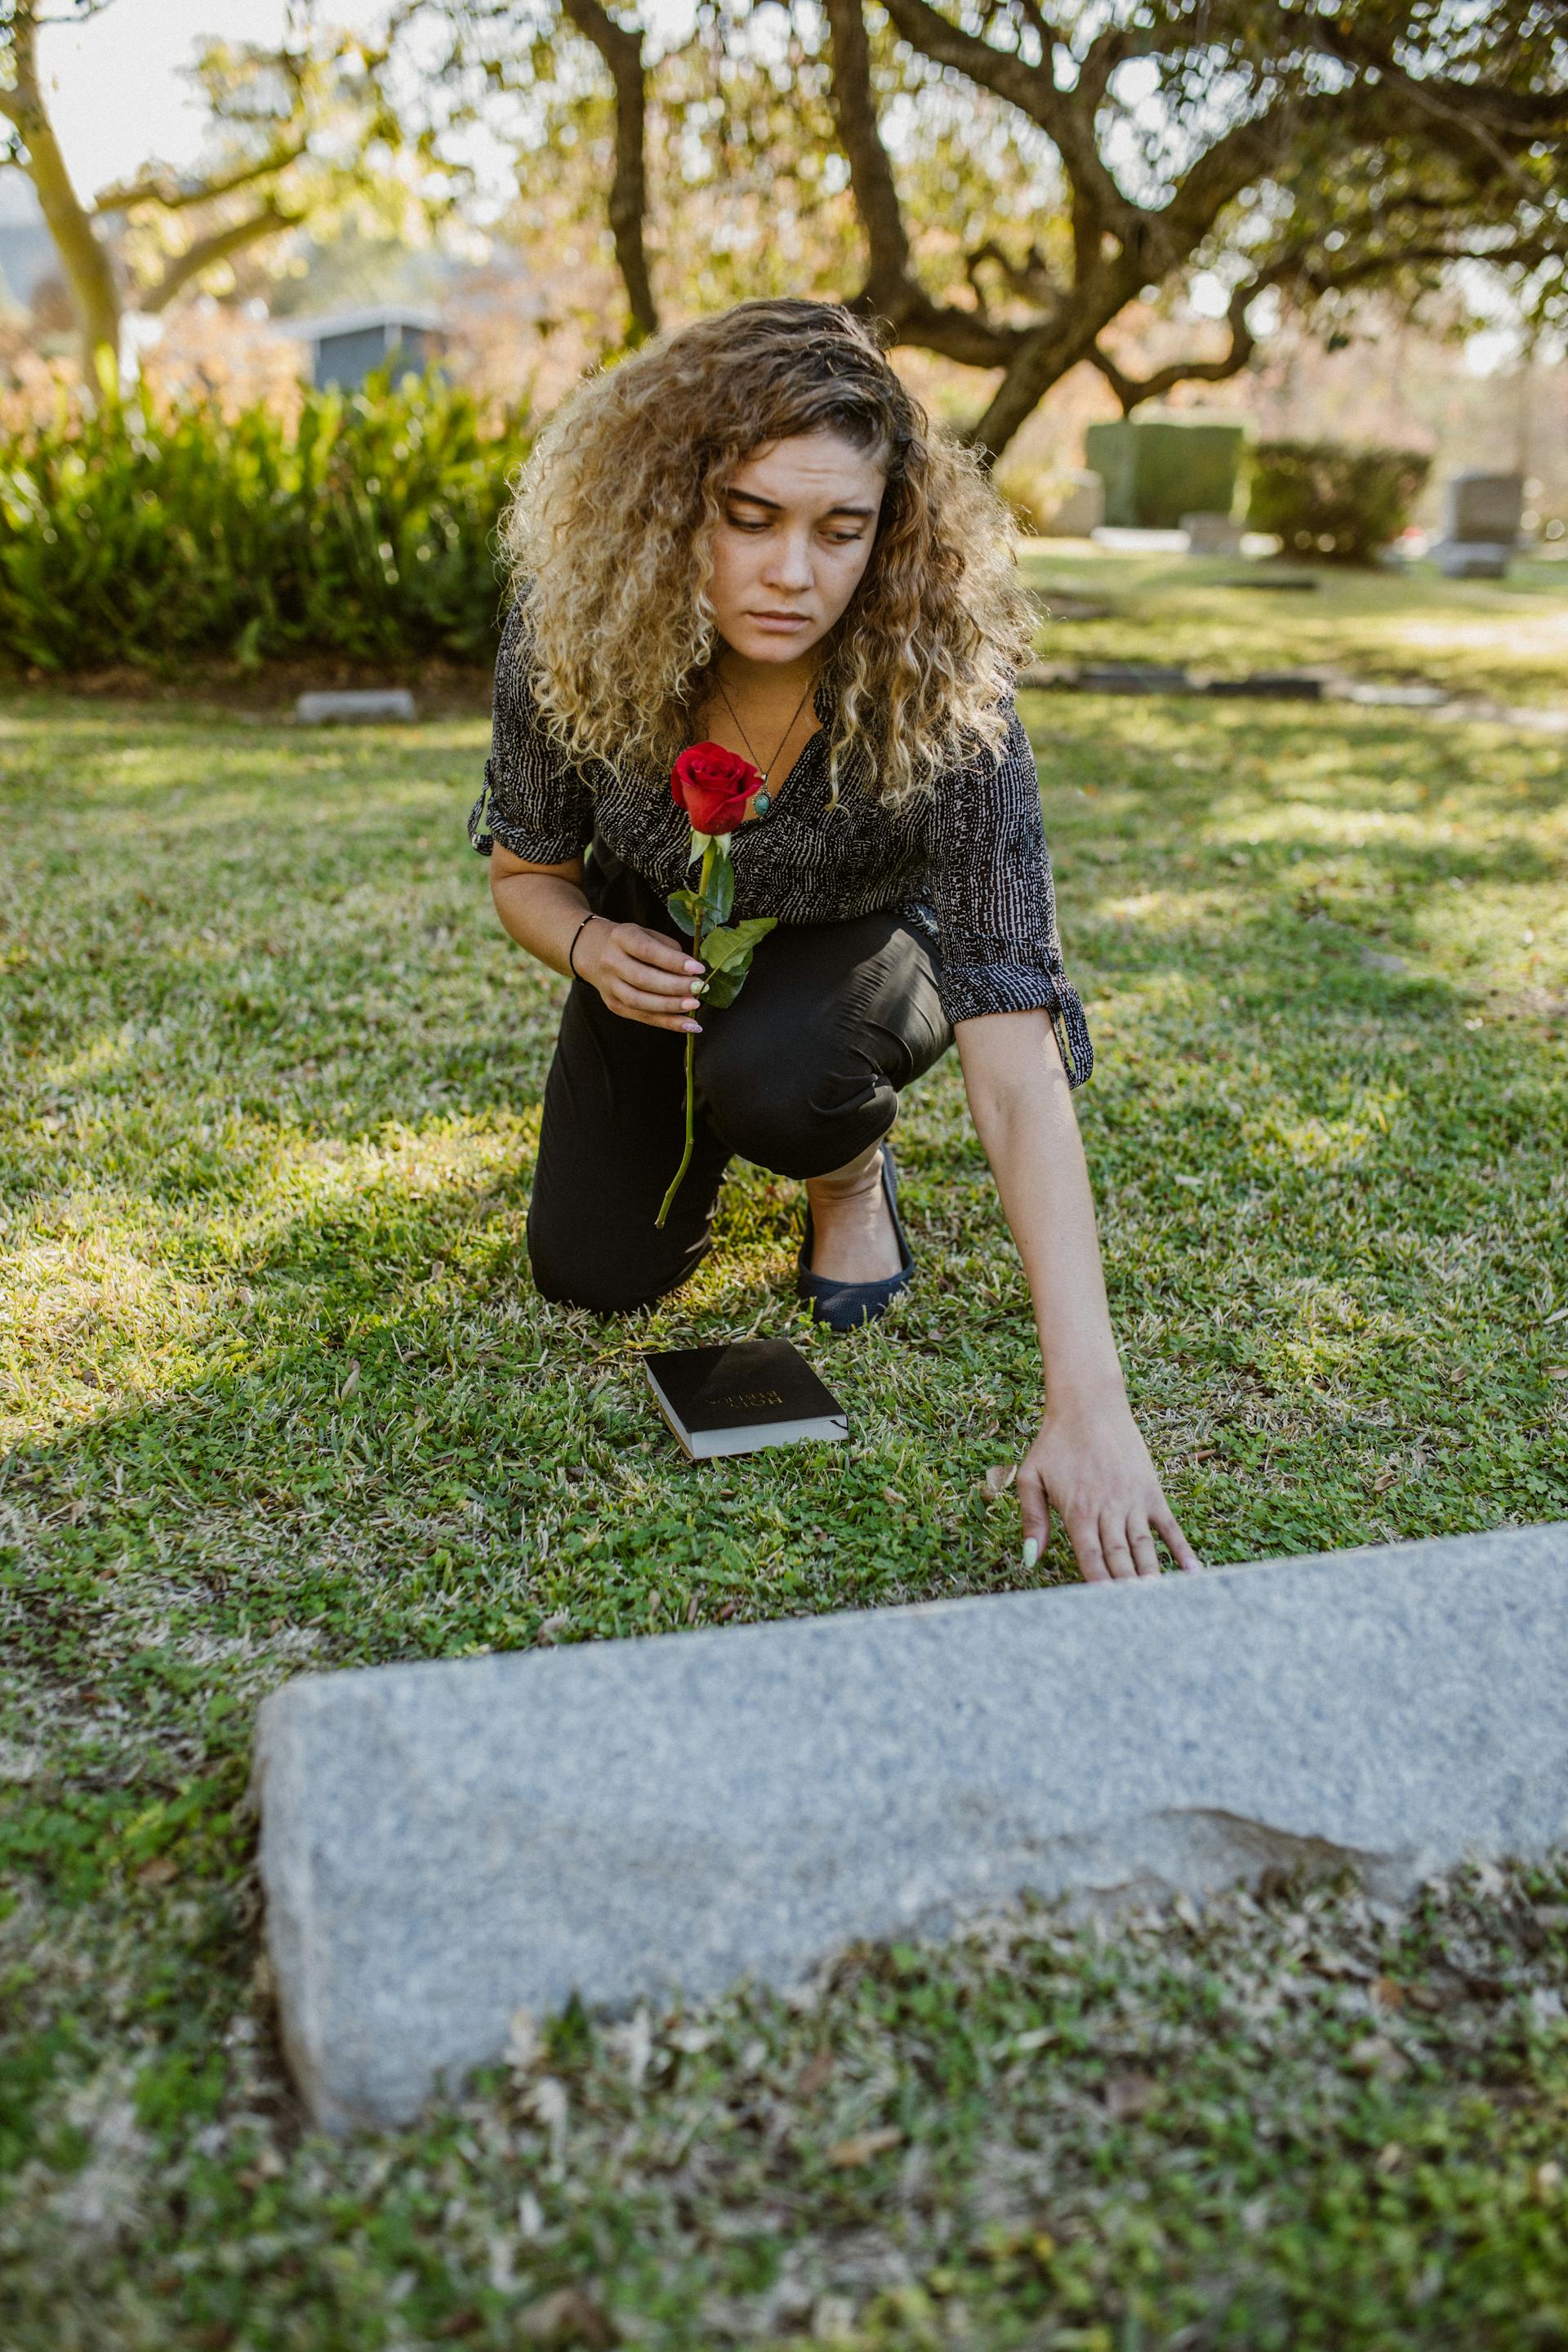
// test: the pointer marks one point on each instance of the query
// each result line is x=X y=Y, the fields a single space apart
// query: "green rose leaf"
x=683 y=904
x=730 y=949
x=722 y=988
x=719 y=895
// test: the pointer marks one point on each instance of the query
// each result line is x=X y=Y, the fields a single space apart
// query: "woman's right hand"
x=640 y=974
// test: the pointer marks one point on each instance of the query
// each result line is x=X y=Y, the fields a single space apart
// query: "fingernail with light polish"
x=1031 y=1552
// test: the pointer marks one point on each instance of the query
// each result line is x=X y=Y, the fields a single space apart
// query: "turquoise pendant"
x=761 y=802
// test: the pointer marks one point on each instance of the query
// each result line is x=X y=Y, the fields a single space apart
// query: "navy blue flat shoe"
x=843 y=1306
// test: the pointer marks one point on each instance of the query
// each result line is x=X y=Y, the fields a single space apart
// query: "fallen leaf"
x=1386 y=1993
x=1128 y=2097
x=156 y=1872
x=999 y=1477
x=863 y=2146
x=1423 y=1997
x=1386 y=1479
x=1374 y=2054
x=524 y=2042
x=567 y=2316
x=815 y=2075
x=553 y=1625
x=1388 y=2160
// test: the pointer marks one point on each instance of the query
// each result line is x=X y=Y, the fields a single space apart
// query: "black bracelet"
x=572 y=951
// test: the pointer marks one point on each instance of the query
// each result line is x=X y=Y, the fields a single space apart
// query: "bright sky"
x=117 y=95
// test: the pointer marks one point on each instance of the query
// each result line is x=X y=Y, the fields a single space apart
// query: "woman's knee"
x=794 y=1117
x=570 y=1270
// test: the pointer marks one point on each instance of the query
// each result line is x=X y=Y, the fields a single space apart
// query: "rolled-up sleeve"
x=998 y=949
x=535 y=802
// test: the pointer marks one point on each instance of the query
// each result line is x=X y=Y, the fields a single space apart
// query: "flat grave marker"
x=444 y=1843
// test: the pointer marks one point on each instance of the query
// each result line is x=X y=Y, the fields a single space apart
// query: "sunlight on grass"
x=1505 y=639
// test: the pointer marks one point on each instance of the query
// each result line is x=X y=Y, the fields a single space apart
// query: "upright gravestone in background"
x=1483 y=515
x=1082 y=508
x=1212 y=534
x=443 y=1843
x=1158 y=469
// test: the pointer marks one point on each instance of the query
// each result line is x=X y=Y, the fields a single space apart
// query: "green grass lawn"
x=1503 y=639
x=278 y=1395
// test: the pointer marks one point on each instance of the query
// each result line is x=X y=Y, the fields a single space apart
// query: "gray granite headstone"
x=357 y=706
x=444 y=1843
x=1482 y=516
x=1484 y=506
x=1082 y=510
x=1212 y=534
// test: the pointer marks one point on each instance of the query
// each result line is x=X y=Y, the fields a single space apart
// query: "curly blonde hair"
x=611 y=531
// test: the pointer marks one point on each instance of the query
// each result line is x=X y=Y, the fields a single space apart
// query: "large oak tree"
x=1293 y=149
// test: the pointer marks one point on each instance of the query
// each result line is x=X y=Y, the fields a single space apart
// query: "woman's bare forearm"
x=1088 y=1466
x=1023 y=1112
x=541 y=907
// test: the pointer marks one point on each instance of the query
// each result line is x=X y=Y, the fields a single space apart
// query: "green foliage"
x=367 y=531
x=1326 y=499
x=1158 y=469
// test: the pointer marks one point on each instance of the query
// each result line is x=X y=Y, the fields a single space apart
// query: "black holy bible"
x=740 y=1398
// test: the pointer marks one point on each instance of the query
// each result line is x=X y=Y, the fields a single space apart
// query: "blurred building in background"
x=347 y=346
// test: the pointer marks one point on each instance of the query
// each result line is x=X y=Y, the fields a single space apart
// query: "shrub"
x=1158 y=469
x=1324 y=499
x=367 y=530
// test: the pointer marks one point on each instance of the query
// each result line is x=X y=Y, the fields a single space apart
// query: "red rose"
x=713 y=786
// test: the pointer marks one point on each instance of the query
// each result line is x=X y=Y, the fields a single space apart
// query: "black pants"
x=800 y=1074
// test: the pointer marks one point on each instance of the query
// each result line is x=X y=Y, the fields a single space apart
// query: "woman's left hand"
x=1090 y=1466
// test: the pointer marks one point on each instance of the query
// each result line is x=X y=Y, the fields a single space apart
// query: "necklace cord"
x=763 y=772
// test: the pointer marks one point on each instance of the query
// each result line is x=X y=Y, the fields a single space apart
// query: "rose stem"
x=691 y=1041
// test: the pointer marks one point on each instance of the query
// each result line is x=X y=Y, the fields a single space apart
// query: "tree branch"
x=89 y=272
x=891 y=292
x=172 y=195
x=207 y=251
x=622 y=54
x=1132 y=391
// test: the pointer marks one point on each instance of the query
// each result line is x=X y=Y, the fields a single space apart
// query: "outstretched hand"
x=1090 y=1466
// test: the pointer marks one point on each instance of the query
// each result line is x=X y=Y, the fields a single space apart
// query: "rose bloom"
x=713 y=786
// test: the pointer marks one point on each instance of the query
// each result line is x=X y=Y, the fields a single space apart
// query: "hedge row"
x=367 y=529
x=1327 y=499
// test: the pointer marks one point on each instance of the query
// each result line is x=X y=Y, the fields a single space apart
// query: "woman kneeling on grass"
x=747 y=537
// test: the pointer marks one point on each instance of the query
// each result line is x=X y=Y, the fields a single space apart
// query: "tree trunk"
x=90 y=274
x=622 y=53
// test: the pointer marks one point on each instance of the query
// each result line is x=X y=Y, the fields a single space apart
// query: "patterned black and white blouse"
x=967 y=862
